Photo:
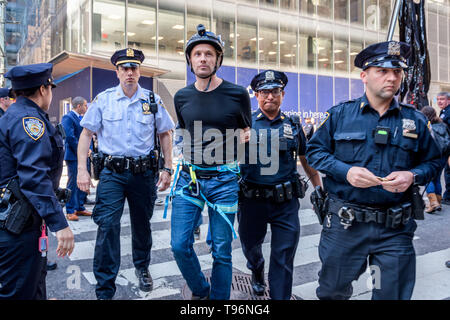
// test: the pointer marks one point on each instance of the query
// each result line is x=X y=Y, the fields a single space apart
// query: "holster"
x=97 y=160
x=300 y=186
x=18 y=209
x=319 y=201
x=63 y=195
x=417 y=203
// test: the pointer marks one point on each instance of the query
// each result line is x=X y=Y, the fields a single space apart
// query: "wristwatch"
x=415 y=177
x=168 y=170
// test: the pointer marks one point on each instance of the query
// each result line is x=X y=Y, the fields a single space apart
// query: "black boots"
x=258 y=284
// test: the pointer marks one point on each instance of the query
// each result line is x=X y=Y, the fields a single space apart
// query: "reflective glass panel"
x=289 y=4
x=246 y=41
x=371 y=11
x=268 y=41
x=340 y=55
x=307 y=6
x=341 y=10
x=288 y=42
x=224 y=25
x=325 y=8
x=357 y=11
x=307 y=51
x=385 y=13
x=324 y=51
x=198 y=12
x=108 y=26
x=171 y=29
x=142 y=26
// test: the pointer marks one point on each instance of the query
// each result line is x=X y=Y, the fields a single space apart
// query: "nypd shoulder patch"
x=34 y=127
x=323 y=118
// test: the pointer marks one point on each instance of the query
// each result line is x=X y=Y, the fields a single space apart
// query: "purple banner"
x=341 y=88
x=325 y=94
x=357 y=88
x=307 y=95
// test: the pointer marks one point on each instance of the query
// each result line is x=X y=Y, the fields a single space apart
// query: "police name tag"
x=34 y=127
x=287 y=131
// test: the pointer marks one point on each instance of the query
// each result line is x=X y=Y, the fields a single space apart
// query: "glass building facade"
x=314 y=41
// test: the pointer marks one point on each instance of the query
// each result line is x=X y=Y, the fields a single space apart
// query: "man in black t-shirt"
x=214 y=117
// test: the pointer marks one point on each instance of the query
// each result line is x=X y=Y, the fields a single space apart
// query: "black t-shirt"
x=211 y=119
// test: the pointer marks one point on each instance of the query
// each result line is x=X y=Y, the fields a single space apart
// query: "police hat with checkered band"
x=269 y=79
x=388 y=54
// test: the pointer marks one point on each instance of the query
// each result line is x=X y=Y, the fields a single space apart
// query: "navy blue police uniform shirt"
x=345 y=139
x=291 y=139
x=445 y=116
x=33 y=149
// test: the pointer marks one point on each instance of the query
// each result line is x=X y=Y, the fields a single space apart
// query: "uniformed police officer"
x=32 y=152
x=374 y=151
x=126 y=129
x=6 y=99
x=273 y=198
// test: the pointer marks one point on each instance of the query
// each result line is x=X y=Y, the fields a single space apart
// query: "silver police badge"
x=270 y=75
x=394 y=48
x=287 y=131
x=409 y=128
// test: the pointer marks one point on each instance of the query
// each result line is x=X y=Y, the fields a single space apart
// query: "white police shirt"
x=124 y=126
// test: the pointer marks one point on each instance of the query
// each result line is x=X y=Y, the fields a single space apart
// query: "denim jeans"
x=221 y=190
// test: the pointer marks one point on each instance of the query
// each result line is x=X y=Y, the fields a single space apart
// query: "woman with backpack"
x=441 y=134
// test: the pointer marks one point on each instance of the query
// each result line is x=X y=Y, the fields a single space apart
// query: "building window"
x=85 y=32
x=289 y=4
x=357 y=11
x=141 y=28
x=340 y=52
x=324 y=49
x=355 y=48
x=325 y=8
x=108 y=26
x=371 y=12
x=198 y=12
x=307 y=51
x=268 y=41
x=246 y=41
x=341 y=10
x=171 y=29
x=269 y=3
x=224 y=25
x=288 y=43
x=307 y=7
x=385 y=13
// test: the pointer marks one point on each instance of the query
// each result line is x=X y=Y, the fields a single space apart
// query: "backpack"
x=441 y=135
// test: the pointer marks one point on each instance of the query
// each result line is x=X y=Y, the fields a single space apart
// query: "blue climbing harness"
x=195 y=191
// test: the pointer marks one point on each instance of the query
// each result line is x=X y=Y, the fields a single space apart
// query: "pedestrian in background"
x=71 y=123
x=441 y=134
x=6 y=99
x=443 y=102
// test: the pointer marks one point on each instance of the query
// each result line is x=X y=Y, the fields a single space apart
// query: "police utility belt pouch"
x=15 y=209
x=120 y=164
x=391 y=217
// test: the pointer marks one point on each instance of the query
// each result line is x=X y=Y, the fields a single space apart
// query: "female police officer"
x=31 y=153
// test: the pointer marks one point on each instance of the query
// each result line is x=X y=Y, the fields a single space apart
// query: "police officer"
x=6 y=99
x=443 y=102
x=272 y=198
x=126 y=124
x=32 y=156
x=374 y=152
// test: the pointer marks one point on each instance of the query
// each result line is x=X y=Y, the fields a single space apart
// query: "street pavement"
x=74 y=280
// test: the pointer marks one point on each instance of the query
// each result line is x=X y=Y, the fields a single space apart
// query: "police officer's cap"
x=388 y=54
x=31 y=76
x=4 y=92
x=269 y=79
x=127 y=57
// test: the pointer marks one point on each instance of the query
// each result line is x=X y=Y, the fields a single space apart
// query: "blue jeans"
x=221 y=190
x=435 y=185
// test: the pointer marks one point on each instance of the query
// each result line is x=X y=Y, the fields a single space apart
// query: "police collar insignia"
x=409 y=128
x=394 y=48
x=146 y=108
x=34 y=127
x=270 y=76
x=130 y=52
